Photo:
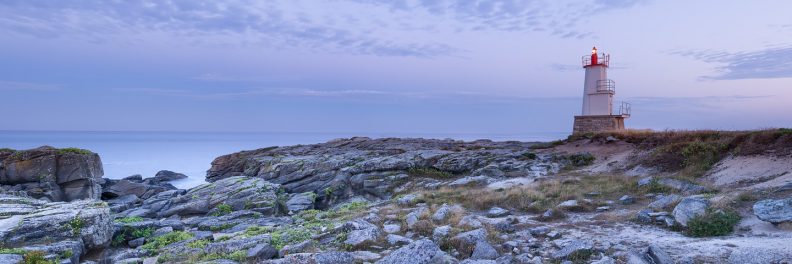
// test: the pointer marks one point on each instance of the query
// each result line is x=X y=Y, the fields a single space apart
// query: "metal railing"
x=602 y=59
x=606 y=86
x=625 y=109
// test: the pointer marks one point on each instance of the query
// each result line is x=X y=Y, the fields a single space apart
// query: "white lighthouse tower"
x=598 y=91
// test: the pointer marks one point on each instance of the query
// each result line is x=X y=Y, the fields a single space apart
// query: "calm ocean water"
x=145 y=153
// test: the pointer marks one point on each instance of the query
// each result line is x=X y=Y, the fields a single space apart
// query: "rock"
x=162 y=231
x=759 y=255
x=664 y=201
x=407 y=200
x=166 y=176
x=54 y=174
x=465 y=242
x=774 y=211
x=688 y=208
x=539 y=231
x=136 y=242
x=314 y=258
x=604 y=260
x=361 y=233
x=422 y=251
x=134 y=178
x=626 y=199
x=643 y=216
x=658 y=256
x=11 y=258
x=497 y=212
x=345 y=168
x=568 y=203
x=603 y=208
x=549 y=214
x=122 y=203
x=365 y=256
x=645 y=181
x=413 y=216
x=633 y=257
x=397 y=240
x=483 y=250
x=574 y=246
x=471 y=181
x=55 y=227
x=295 y=248
x=442 y=213
x=682 y=186
x=440 y=233
x=470 y=221
x=236 y=193
x=261 y=252
x=300 y=202
x=391 y=228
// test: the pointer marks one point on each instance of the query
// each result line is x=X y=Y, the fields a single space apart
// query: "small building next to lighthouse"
x=598 y=113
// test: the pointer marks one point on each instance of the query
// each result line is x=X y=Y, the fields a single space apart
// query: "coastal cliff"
x=630 y=197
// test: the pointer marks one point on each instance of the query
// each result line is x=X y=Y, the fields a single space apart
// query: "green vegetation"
x=66 y=254
x=74 y=151
x=283 y=237
x=654 y=186
x=280 y=236
x=129 y=233
x=222 y=209
x=200 y=243
x=222 y=227
x=580 y=159
x=7 y=150
x=712 y=223
x=347 y=211
x=17 y=251
x=76 y=224
x=36 y=257
x=129 y=219
x=166 y=239
x=429 y=172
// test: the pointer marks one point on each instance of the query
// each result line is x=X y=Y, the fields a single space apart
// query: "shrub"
x=581 y=159
x=76 y=225
x=18 y=251
x=222 y=209
x=289 y=236
x=200 y=243
x=712 y=223
x=129 y=219
x=429 y=173
x=35 y=257
x=166 y=239
x=74 y=151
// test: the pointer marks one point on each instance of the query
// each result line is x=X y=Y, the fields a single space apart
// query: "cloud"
x=26 y=86
x=769 y=63
x=266 y=23
x=369 y=27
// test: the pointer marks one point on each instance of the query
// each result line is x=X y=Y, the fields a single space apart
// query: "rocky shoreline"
x=604 y=198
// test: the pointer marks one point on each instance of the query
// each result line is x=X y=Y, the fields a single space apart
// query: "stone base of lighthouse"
x=598 y=123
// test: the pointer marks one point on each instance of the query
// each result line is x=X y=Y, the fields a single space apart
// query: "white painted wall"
x=596 y=103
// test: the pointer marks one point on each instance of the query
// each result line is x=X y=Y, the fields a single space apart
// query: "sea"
x=125 y=153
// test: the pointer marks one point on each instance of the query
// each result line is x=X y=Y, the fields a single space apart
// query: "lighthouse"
x=598 y=113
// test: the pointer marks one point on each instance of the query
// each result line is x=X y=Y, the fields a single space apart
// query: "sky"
x=401 y=66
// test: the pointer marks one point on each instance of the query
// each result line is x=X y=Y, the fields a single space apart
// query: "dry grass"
x=692 y=153
x=541 y=196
